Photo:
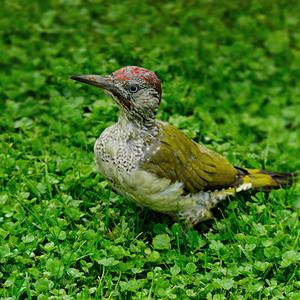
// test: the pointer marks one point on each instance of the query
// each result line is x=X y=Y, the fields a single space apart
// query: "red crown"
x=133 y=72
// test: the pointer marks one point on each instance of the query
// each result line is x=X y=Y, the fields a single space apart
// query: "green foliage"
x=230 y=74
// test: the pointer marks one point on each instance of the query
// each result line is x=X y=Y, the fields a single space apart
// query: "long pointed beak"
x=106 y=83
x=103 y=82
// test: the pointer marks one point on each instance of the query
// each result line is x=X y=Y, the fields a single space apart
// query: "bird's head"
x=136 y=90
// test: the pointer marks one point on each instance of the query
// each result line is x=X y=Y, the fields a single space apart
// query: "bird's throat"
x=129 y=122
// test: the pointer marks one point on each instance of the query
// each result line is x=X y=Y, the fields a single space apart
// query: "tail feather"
x=265 y=180
x=282 y=179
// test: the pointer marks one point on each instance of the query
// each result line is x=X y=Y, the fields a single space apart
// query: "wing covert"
x=179 y=158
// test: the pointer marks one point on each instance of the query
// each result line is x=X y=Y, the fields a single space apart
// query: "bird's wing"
x=178 y=158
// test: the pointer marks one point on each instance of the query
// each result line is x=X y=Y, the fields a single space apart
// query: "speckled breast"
x=117 y=154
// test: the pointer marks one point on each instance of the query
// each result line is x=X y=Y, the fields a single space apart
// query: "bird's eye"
x=133 y=88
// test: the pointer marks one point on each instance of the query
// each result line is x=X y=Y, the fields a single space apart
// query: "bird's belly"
x=146 y=189
x=141 y=187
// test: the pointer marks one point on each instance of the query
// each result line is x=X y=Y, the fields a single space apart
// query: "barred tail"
x=264 y=180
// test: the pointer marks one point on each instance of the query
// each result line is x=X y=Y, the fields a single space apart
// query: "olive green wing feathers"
x=178 y=158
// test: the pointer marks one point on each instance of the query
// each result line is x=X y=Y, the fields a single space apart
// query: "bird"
x=154 y=164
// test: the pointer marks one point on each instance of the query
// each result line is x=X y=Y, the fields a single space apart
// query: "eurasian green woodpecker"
x=154 y=164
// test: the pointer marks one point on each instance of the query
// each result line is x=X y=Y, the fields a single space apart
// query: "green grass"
x=230 y=73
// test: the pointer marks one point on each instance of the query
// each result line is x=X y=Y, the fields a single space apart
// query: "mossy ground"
x=230 y=73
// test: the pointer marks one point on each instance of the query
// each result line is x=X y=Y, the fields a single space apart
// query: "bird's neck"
x=144 y=126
